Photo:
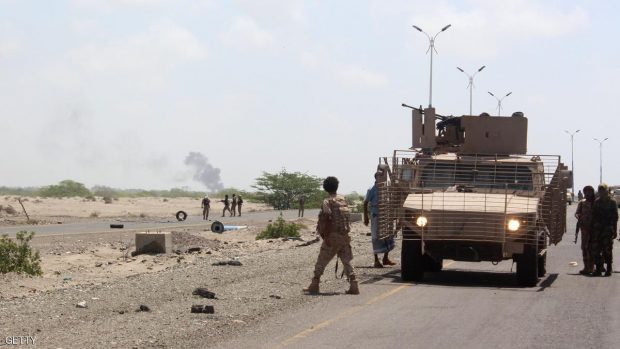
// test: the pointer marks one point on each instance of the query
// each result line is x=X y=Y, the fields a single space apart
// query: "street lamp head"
x=418 y=28
x=481 y=68
x=459 y=68
x=491 y=94
x=508 y=94
x=577 y=131
x=446 y=27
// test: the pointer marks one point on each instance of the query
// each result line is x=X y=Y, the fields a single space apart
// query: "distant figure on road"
x=378 y=245
x=580 y=195
x=233 y=206
x=226 y=206
x=302 y=203
x=605 y=230
x=584 y=221
x=206 y=205
x=239 y=204
x=334 y=228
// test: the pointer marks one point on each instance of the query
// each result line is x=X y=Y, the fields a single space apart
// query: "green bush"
x=66 y=188
x=279 y=229
x=17 y=255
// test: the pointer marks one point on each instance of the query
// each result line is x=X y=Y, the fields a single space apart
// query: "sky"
x=120 y=92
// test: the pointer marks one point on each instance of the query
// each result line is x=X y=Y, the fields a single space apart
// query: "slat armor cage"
x=480 y=198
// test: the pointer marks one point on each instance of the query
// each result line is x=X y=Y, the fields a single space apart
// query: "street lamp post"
x=431 y=48
x=600 y=150
x=471 y=84
x=572 y=155
x=499 y=102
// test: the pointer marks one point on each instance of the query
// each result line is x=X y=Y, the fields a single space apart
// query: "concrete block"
x=153 y=243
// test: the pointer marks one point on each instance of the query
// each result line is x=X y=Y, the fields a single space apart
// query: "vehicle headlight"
x=421 y=221
x=513 y=225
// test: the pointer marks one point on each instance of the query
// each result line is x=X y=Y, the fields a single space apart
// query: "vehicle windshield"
x=483 y=176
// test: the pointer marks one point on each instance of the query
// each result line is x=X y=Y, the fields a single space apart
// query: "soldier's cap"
x=378 y=174
x=603 y=186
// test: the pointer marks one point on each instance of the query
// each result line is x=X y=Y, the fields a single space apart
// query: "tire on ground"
x=181 y=216
x=527 y=266
x=412 y=266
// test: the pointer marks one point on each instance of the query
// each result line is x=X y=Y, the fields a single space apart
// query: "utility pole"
x=600 y=150
x=431 y=48
x=471 y=85
x=572 y=155
x=499 y=102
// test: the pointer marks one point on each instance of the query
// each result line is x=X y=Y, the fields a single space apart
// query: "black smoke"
x=204 y=172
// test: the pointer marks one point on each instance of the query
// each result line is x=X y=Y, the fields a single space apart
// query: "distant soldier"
x=302 y=203
x=378 y=245
x=233 y=206
x=334 y=228
x=584 y=223
x=226 y=206
x=580 y=195
x=239 y=204
x=206 y=205
x=604 y=230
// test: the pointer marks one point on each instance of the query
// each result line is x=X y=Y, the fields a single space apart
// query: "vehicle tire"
x=412 y=268
x=527 y=267
x=181 y=216
x=431 y=264
x=542 y=265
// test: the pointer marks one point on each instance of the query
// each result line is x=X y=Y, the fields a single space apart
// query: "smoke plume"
x=204 y=172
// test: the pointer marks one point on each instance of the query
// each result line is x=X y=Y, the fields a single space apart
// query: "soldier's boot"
x=353 y=287
x=387 y=261
x=314 y=286
x=609 y=270
x=599 y=270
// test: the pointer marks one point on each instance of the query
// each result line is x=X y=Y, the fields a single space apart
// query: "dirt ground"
x=98 y=269
x=53 y=210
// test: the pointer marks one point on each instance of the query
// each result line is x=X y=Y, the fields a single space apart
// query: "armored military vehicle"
x=468 y=191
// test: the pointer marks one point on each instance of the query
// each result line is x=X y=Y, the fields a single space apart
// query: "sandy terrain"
x=97 y=269
x=52 y=210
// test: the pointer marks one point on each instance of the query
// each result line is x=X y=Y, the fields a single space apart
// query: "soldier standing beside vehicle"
x=226 y=205
x=233 y=206
x=239 y=204
x=334 y=228
x=378 y=245
x=580 y=195
x=302 y=203
x=206 y=205
x=584 y=223
x=605 y=230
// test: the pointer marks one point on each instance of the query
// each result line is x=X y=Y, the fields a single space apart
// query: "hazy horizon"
x=121 y=92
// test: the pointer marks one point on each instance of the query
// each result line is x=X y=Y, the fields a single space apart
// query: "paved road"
x=102 y=226
x=469 y=305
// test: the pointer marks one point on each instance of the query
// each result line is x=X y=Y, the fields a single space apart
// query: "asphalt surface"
x=103 y=226
x=468 y=305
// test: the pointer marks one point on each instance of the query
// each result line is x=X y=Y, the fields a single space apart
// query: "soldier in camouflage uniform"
x=584 y=220
x=334 y=228
x=605 y=230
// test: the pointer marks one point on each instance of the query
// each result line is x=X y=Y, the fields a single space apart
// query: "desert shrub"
x=66 y=188
x=90 y=198
x=10 y=210
x=279 y=229
x=143 y=215
x=94 y=214
x=18 y=256
x=165 y=200
x=107 y=199
x=101 y=190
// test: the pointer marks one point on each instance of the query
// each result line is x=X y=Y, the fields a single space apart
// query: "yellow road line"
x=305 y=333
